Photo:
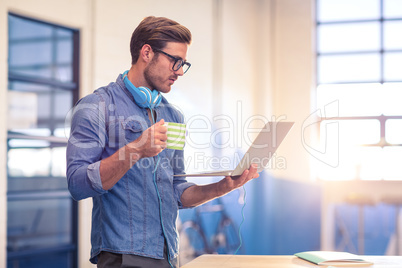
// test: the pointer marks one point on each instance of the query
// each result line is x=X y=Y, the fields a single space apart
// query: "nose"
x=179 y=72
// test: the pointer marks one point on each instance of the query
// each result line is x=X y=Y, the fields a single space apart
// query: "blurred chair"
x=397 y=202
x=361 y=201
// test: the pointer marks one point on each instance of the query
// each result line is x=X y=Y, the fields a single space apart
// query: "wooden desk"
x=259 y=261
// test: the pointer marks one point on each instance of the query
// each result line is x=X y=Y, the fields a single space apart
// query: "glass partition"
x=42 y=88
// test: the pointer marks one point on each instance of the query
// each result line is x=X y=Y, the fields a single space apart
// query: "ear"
x=146 y=53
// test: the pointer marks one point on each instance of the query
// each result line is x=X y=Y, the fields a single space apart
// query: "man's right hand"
x=152 y=141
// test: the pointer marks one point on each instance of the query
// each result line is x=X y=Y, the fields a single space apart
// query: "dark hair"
x=156 y=32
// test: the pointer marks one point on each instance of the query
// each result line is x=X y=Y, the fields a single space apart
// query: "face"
x=159 y=72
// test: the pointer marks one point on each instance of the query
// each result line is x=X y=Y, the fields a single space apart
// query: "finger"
x=161 y=122
x=158 y=142
x=161 y=136
x=243 y=177
x=158 y=148
x=161 y=143
x=161 y=146
x=160 y=128
x=253 y=167
x=253 y=172
x=157 y=125
x=249 y=174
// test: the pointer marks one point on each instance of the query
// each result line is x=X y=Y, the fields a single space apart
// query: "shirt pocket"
x=133 y=129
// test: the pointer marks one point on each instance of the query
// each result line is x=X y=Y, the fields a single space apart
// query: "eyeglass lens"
x=180 y=63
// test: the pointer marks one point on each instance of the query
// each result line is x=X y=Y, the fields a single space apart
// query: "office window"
x=359 y=63
x=42 y=88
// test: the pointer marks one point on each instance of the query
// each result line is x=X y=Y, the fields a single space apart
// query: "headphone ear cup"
x=153 y=96
x=157 y=98
x=147 y=93
x=143 y=96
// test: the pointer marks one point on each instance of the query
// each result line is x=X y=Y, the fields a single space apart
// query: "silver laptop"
x=259 y=153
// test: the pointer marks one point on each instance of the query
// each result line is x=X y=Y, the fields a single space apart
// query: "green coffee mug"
x=176 y=135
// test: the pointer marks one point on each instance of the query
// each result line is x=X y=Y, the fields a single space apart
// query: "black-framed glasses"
x=178 y=62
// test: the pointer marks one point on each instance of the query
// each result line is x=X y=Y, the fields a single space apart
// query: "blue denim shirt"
x=125 y=219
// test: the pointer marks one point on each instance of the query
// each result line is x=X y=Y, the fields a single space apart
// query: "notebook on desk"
x=338 y=259
x=260 y=152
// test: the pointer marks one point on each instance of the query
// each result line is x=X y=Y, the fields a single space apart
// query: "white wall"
x=115 y=22
x=257 y=54
x=246 y=86
x=293 y=79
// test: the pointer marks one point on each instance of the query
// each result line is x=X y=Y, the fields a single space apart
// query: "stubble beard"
x=151 y=76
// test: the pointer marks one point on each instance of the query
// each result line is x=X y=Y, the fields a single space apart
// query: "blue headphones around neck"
x=144 y=97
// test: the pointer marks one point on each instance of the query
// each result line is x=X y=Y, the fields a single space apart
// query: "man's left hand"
x=231 y=183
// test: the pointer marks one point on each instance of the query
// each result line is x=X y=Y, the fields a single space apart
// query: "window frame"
x=73 y=86
x=381 y=118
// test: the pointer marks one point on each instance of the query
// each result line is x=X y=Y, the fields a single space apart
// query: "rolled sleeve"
x=179 y=189
x=180 y=183
x=85 y=146
x=93 y=174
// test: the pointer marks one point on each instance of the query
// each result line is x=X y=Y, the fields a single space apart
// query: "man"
x=117 y=155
